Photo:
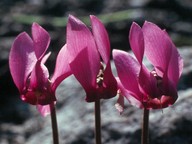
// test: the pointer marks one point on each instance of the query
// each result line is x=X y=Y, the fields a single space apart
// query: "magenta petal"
x=101 y=38
x=79 y=37
x=109 y=83
x=39 y=76
x=21 y=59
x=83 y=55
x=41 y=85
x=84 y=72
x=120 y=104
x=44 y=110
x=130 y=96
x=62 y=69
x=148 y=84
x=137 y=41
x=45 y=57
x=175 y=66
x=128 y=71
x=79 y=40
x=41 y=40
x=158 y=47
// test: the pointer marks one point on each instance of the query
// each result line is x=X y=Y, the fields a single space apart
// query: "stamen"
x=158 y=78
x=100 y=76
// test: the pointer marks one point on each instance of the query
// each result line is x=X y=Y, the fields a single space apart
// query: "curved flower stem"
x=97 y=122
x=54 y=124
x=145 y=129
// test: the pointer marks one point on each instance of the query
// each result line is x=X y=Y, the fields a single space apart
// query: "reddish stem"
x=54 y=124
x=97 y=122
x=145 y=130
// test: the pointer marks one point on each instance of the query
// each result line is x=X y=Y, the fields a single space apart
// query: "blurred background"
x=20 y=123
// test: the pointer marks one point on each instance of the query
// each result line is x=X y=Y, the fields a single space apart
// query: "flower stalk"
x=97 y=122
x=54 y=124
x=145 y=129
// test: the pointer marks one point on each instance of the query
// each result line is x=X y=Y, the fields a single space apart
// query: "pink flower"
x=30 y=75
x=143 y=87
x=90 y=58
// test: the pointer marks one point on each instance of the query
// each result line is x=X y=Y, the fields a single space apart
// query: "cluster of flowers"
x=86 y=55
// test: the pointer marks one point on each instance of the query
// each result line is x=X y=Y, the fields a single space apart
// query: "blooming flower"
x=89 y=58
x=145 y=88
x=30 y=75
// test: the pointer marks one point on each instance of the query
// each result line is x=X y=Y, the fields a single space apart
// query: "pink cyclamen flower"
x=90 y=58
x=30 y=75
x=155 y=88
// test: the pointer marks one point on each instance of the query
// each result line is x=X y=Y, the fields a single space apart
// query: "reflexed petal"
x=62 y=69
x=41 y=40
x=45 y=57
x=175 y=66
x=39 y=76
x=128 y=71
x=79 y=37
x=130 y=96
x=44 y=110
x=120 y=104
x=101 y=38
x=148 y=84
x=21 y=60
x=109 y=84
x=83 y=71
x=41 y=86
x=79 y=40
x=158 y=47
x=137 y=41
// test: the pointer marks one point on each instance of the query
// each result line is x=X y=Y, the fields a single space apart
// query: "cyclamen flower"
x=150 y=89
x=30 y=75
x=89 y=58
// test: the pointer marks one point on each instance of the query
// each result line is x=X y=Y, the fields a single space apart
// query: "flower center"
x=40 y=94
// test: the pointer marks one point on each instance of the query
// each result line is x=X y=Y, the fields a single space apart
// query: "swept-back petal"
x=21 y=59
x=44 y=109
x=40 y=85
x=128 y=71
x=62 y=69
x=175 y=66
x=83 y=55
x=84 y=72
x=120 y=103
x=45 y=57
x=148 y=84
x=123 y=92
x=137 y=41
x=101 y=38
x=79 y=37
x=158 y=47
x=39 y=76
x=109 y=83
x=41 y=40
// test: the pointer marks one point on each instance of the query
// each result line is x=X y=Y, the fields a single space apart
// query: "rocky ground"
x=20 y=123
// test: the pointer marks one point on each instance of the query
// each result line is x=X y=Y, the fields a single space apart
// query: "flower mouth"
x=41 y=94
x=160 y=91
